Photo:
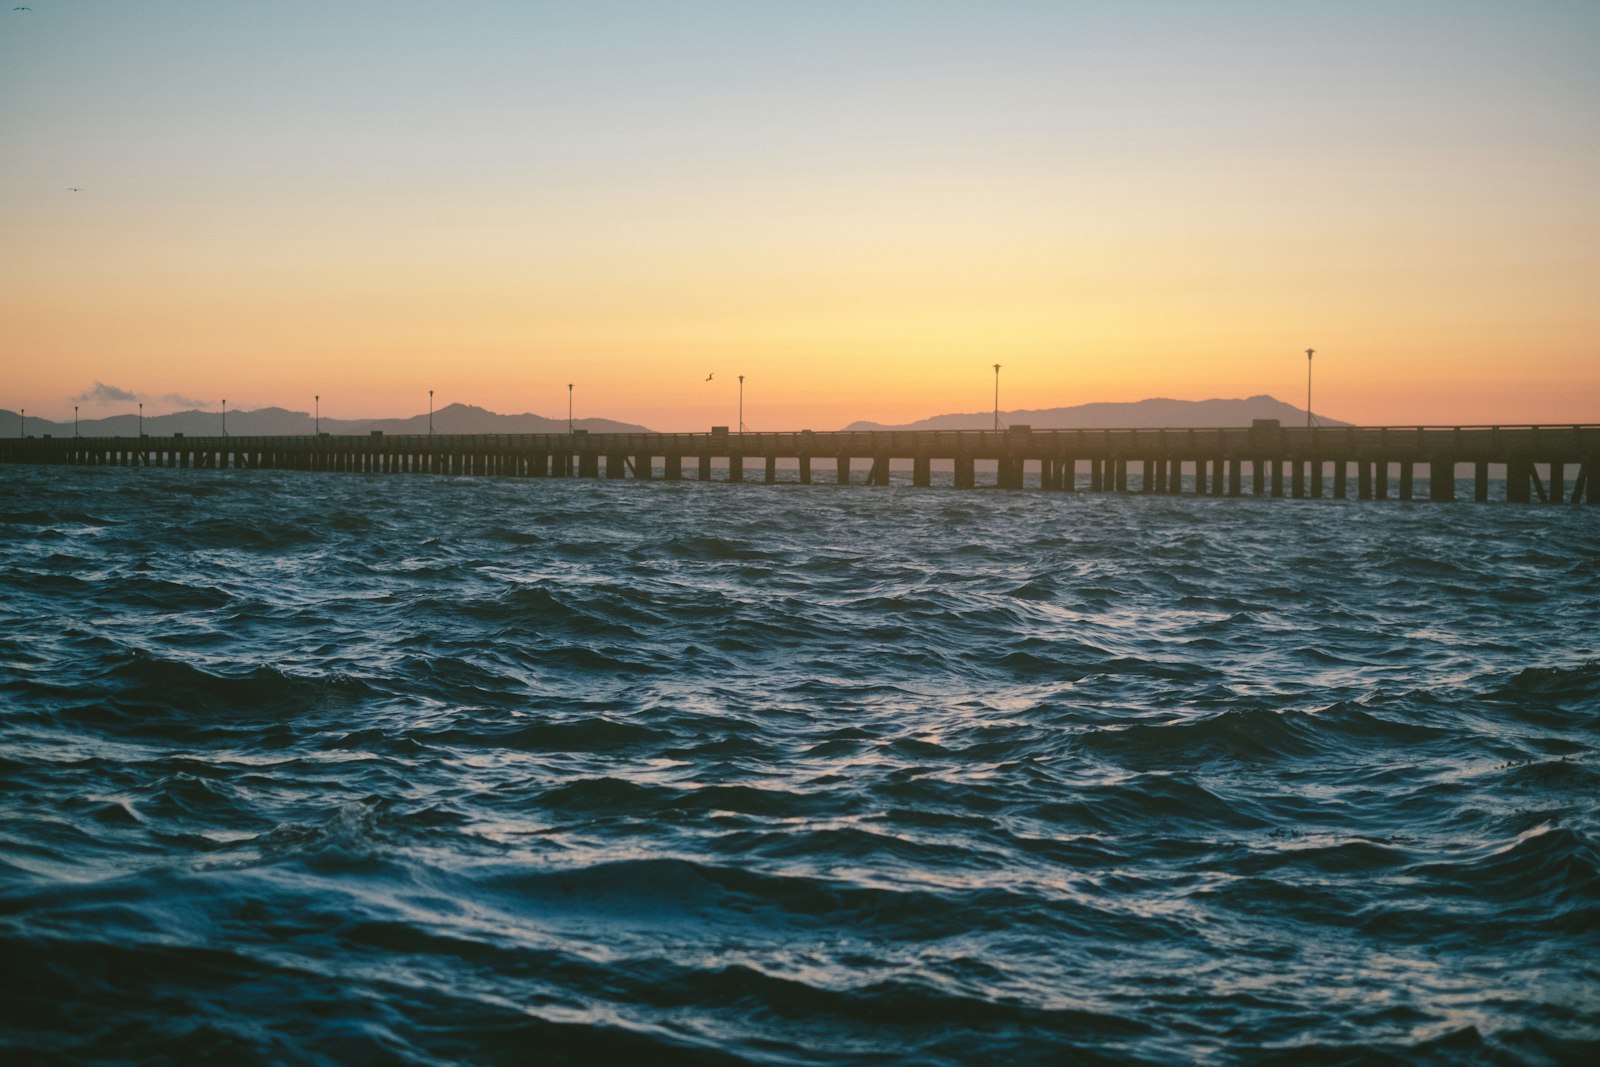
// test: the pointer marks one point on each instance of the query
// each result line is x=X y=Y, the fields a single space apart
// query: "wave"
x=298 y=768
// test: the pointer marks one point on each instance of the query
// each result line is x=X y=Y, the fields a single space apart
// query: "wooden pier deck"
x=1364 y=463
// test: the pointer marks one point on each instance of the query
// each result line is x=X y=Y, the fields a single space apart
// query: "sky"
x=860 y=206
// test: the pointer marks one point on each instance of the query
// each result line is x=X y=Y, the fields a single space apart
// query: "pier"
x=1554 y=464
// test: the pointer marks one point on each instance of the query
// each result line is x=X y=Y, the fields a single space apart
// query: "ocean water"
x=302 y=768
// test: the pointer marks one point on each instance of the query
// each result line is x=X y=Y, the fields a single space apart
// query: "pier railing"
x=1267 y=459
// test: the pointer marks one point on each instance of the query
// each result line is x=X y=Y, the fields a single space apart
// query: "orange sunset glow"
x=859 y=207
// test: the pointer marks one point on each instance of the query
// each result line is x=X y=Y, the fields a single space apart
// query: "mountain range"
x=470 y=419
x=277 y=422
x=1156 y=413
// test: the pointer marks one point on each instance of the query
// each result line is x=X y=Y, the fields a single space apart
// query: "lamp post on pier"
x=741 y=403
x=224 y=416
x=997 y=397
x=141 y=420
x=22 y=425
x=569 y=409
x=1309 y=353
x=74 y=420
x=318 y=430
x=430 y=412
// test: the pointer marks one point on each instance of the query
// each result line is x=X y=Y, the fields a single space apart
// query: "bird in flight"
x=710 y=376
x=74 y=188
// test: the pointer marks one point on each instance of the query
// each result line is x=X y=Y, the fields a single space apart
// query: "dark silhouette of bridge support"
x=1441 y=480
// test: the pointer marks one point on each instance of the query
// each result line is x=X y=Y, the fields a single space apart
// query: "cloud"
x=101 y=393
x=178 y=401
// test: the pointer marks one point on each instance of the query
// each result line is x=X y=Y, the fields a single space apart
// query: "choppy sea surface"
x=302 y=768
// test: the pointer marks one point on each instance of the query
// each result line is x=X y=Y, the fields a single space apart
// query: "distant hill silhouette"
x=1155 y=413
x=468 y=418
x=278 y=422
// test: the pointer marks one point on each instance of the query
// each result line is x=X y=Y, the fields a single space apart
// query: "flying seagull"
x=74 y=188
x=710 y=376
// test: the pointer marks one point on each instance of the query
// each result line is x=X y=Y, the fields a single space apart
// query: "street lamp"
x=319 y=415
x=741 y=403
x=1309 y=352
x=224 y=416
x=569 y=408
x=997 y=397
x=141 y=421
x=430 y=412
x=74 y=420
